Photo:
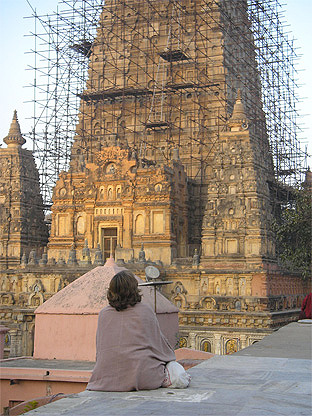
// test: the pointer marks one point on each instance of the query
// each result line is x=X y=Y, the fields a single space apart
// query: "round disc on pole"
x=151 y=272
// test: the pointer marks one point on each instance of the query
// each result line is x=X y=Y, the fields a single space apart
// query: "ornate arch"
x=206 y=345
x=179 y=295
x=208 y=302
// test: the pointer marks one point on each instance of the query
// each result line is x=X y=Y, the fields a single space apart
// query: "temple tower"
x=22 y=227
x=164 y=76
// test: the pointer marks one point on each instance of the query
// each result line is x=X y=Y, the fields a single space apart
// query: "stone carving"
x=98 y=258
x=61 y=261
x=208 y=303
x=44 y=259
x=72 y=258
x=32 y=260
x=196 y=258
x=86 y=257
x=7 y=299
x=142 y=258
x=178 y=296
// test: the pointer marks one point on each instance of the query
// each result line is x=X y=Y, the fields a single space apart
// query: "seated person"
x=306 y=307
x=131 y=351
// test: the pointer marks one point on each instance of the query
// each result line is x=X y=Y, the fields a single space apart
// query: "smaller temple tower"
x=22 y=226
x=237 y=232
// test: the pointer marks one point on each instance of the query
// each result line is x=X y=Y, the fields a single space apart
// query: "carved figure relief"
x=231 y=346
x=178 y=295
x=204 y=285
x=111 y=168
x=217 y=289
x=35 y=299
x=118 y=192
x=205 y=345
x=230 y=287
x=183 y=342
x=242 y=286
x=7 y=299
x=110 y=193
x=208 y=303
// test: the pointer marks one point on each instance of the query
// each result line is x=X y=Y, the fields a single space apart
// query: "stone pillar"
x=3 y=331
x=191 y=340
x=16 y=343
x=147 y=229
x=127 y=234
x=217 y=344
x=243 y=342
x=167 y=221
x=248 y=286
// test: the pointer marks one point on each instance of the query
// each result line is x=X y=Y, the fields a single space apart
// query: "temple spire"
x=14 y=138
x=238 y=120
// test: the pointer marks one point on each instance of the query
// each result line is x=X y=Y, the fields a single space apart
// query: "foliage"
x=293 y=232
x=30 y=406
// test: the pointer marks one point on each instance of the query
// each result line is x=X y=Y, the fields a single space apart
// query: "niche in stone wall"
x=229 y=287
x=97 y=129
x=231 y=346
x=158 y=222
x=242 y=286
x=80 y=225
x=183 y=342
x=232 y=189
x=63 y=228
x=231 y=246
x=205 y=346
x=253 y=247
x=178 y=295
x=102 y=192
x=158 y=187
x=208 y=303
x=139 y=224
x=110 y=193
x=118 y=192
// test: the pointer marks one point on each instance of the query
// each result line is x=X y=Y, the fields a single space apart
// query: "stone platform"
x=258 y=384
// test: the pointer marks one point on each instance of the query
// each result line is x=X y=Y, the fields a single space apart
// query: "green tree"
x=293 y=232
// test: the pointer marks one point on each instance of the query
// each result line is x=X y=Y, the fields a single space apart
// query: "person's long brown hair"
x=123 y=291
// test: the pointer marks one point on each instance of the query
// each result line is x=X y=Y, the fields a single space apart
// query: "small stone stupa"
x=65 y=326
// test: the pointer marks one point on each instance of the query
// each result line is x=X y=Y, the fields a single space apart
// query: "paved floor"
x=257 y=384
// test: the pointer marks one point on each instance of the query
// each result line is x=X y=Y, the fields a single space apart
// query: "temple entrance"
x=109 y=241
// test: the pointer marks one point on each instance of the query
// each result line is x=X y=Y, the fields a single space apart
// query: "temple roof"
x=87 y=294
x=14 y=138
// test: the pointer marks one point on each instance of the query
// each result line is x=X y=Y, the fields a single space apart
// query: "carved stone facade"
x=118 y=203
x=21 y=291
x=22 y=227
x=223 y=313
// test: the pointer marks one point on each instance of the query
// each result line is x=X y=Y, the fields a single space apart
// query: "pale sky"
x=14 y=59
